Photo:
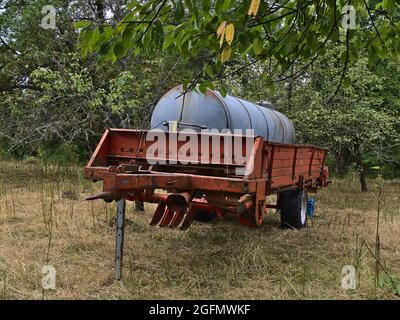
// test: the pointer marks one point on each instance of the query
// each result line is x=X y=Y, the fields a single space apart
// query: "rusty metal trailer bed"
x=211 y=183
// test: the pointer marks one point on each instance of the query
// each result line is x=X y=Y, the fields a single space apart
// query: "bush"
x=62 y=154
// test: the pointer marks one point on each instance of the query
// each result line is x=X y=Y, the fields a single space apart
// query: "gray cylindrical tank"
x=212 y=111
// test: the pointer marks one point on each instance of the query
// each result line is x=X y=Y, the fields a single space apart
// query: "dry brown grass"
x=221 y=260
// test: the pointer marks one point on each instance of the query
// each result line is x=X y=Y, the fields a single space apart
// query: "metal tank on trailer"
x=211 y=110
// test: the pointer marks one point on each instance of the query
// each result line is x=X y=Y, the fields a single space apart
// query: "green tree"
x=356 y=124
x=50 y=94
x=358 y=120
x=288 y=31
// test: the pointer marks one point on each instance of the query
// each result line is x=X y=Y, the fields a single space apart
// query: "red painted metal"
x=120 y=162
x=158 y=214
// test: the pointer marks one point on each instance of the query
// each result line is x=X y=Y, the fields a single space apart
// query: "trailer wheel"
x=293 y=208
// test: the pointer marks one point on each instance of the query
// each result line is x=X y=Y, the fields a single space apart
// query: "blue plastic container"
x=311 y=206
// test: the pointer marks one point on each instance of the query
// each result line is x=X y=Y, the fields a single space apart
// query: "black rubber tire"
x=293 y=208
x=204 y=216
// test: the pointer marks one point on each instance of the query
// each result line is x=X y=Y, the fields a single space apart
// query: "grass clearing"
x=219 y=260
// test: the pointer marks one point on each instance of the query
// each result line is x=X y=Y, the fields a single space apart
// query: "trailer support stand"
x=119 y=243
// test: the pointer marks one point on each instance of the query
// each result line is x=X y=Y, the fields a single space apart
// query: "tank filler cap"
x=266 y=104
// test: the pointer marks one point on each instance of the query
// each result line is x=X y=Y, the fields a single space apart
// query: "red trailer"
x=207 y=185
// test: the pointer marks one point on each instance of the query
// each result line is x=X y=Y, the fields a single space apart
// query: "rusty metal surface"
x=119 y=161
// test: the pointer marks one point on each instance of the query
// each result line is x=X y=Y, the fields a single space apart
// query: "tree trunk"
x=362 y=169
x=99 y=12
x=341 y=161
x=363 y=181
x=338 y=163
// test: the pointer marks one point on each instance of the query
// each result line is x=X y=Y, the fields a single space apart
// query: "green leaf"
x=244 y=42
x=119 y=49
x=106 y=52
x=185 y=84
x=288 y=45
x=146 y=40
x=94 y=39
x=258 y=47
x=203 y=87
x=208 y=70
x=179 y=11
x=82 y=24
x=218 y=6
x=158 y=33
x=127 y=36
x=389 y=4
x=226 y=54
x=376 y=168
x=218 y=67
x=228 y=4
x=88 y=40
x=108 y=32
x=131 y=4
x=206 y=5
x=223 y=91
x=168 y=40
